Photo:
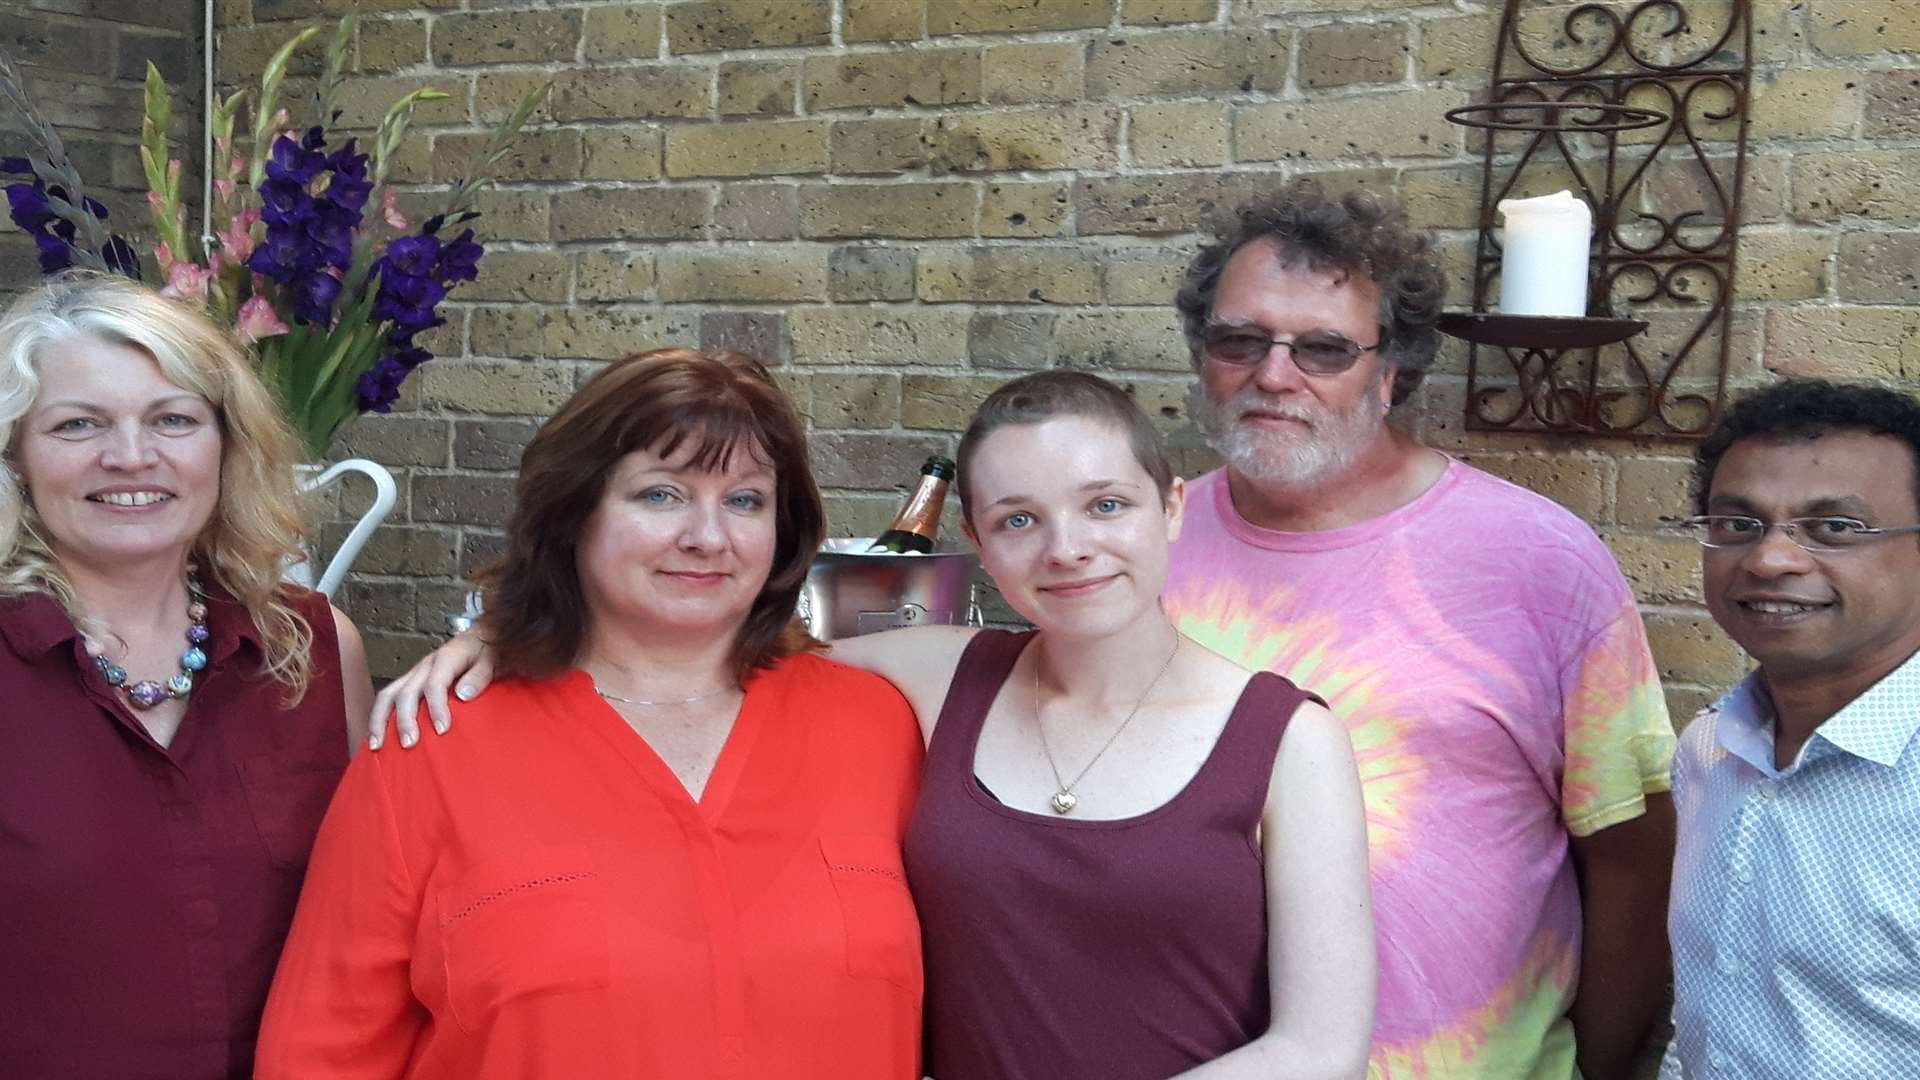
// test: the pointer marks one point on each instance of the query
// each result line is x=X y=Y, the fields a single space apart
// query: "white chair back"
x=384 y=495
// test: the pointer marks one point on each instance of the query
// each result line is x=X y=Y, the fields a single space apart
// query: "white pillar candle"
x=1543 y=262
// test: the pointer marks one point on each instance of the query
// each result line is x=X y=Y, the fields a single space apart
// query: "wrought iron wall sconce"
x=1642 y=111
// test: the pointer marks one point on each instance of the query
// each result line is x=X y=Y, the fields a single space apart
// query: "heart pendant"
x=1064 y=801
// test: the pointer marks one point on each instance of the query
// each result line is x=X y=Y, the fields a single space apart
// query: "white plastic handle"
x=385 y=494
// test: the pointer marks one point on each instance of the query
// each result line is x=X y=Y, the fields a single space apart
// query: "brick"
x=394 y=440
x=906 y=336
x=1343 y=55
x=631 y=214
x=1805 y=103
x=1071 y=137
x=1017 y=340
x=855 y=401
x=1689 y=647
x=1128 y=339
x=1862 y=27
x=1671 y=187
x=1782 y=265
x=798 y=389
x=1026 y=73
x=491 y=444
x=363 y=102
x=378 y=604
x=459 y=498
x=1457 y=49
x=1009 y=275
x=270 y=10
x=758 y=275
x=514 y=276
x=1844 y=342
x=1187 y=62
x=1153 y=203
x=1685 y=703
x=1144 y=276
x=944 y=402
x=511 y=388
x=667 y=91
x=713 y=25
x=1663 y=568
x=505 y=37
x=478 y=550
x=1163 y=400
x=883 y=20
x=177 y=58
x=242 y=54
x=1269 y=8
x=1877 y=267
x=388 y=44
x=867 y=460
x=872 y=147
x=1650 y=492
x=758 y=334
x=1167 y=12
x=859 y=273
x=390 y=655
x=859 y=515
x=608 y=276
x=896 y=210
x=621 y=153
x=1892 y=104
x=892 y=79
x=756 y=212
x=1879 y=184
x=992 y=16
x=1579 y=484
x=1407 y=124
x=596 y=332
x=625 y=32
x=535 y=155
x=1017 y=209
x=1178 y=133
x=758 y=87
x=513 y=215
x=752 y=148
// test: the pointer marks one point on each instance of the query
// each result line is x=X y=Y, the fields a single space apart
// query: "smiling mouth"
x=1780 y=608
x=1077 y=588
x=130 y=498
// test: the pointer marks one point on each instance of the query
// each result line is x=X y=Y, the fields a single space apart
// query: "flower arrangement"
x=330 y=298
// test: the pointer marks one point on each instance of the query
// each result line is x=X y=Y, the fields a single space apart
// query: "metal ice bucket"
x=849 y=593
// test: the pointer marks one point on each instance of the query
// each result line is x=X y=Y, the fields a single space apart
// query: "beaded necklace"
x=148 y=693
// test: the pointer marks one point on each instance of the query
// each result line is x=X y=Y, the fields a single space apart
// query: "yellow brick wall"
x=903 y=202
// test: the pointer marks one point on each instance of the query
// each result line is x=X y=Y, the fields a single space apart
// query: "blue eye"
x=74 y=426
x=657 y=496
x=179 y=422
x=1108 y=505
x=748 y=500
x=1019 y=520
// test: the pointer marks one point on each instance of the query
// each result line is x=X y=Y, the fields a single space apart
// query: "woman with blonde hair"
x=176 y=718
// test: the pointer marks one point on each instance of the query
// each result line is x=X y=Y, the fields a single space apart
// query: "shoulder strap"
x=1251 y=739
x=984 y=665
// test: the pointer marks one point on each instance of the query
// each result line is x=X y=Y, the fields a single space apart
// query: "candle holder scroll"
x=1592 y=124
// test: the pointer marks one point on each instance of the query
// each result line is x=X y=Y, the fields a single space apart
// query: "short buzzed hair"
x=1808 y=409
x=1043 y=395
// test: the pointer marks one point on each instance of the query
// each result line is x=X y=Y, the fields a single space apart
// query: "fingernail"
x=439 y=727
x=373 y=742
x=409 y=740
x=465 y=693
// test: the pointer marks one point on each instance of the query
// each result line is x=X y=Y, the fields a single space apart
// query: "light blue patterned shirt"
x=1796 y=892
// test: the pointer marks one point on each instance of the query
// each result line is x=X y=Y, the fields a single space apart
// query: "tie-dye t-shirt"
x=1488 y=658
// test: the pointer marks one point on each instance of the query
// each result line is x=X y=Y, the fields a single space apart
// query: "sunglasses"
x=1320 y=352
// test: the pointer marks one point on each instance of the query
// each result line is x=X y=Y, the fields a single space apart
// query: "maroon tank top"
x=1056 y=948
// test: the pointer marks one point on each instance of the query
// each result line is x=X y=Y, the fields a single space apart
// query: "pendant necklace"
x=148 y=693
x=674 y=701
x=1064 y=800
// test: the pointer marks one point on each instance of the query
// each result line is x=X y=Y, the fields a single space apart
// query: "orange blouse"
x=536 y=894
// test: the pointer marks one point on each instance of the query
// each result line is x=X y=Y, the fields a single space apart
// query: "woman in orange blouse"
x=677 y=851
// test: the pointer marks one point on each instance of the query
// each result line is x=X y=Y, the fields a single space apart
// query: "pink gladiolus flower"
x=236 y=240
x=225 y=188
x=257 y=320
x=186 y=281
x=163 y=255
x=390 y=209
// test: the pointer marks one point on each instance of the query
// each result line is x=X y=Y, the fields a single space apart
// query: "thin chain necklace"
x=674 y=701
x=1064 y=800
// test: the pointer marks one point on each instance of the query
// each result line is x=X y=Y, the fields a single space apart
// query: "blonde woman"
x=175 y=718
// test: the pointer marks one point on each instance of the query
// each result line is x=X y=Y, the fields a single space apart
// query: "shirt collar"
x=34 y=624
x=1876 y=726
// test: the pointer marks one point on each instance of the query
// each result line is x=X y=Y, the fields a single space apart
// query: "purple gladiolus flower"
x=412 y=256
x=16 y=165
x=313 y=297
x=460 y=260
x=379 y=387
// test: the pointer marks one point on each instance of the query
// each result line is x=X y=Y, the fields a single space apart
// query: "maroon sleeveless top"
x=145 y=890
x=1130 y=949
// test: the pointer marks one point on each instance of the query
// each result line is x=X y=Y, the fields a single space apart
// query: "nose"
x=1775 y=555
x=703 y=529
x=129 y=446
x=1276 y=372
x=1066 y=546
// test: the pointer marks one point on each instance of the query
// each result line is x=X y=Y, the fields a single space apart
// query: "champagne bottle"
x=918 y=522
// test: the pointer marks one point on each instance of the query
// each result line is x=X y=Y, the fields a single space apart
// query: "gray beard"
x=1333 y=444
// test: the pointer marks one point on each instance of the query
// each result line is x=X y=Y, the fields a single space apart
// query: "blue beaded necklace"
x=147 y=693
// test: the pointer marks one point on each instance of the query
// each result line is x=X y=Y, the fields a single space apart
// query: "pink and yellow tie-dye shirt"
x=1489 y=660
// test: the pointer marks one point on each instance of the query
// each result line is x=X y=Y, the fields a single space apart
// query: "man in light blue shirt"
x=1795 y=916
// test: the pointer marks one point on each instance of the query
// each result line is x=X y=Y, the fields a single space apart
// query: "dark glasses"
x=1321 y=352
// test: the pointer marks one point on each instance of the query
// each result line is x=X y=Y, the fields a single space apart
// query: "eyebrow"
x=156 y=403
x=1851 y=505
